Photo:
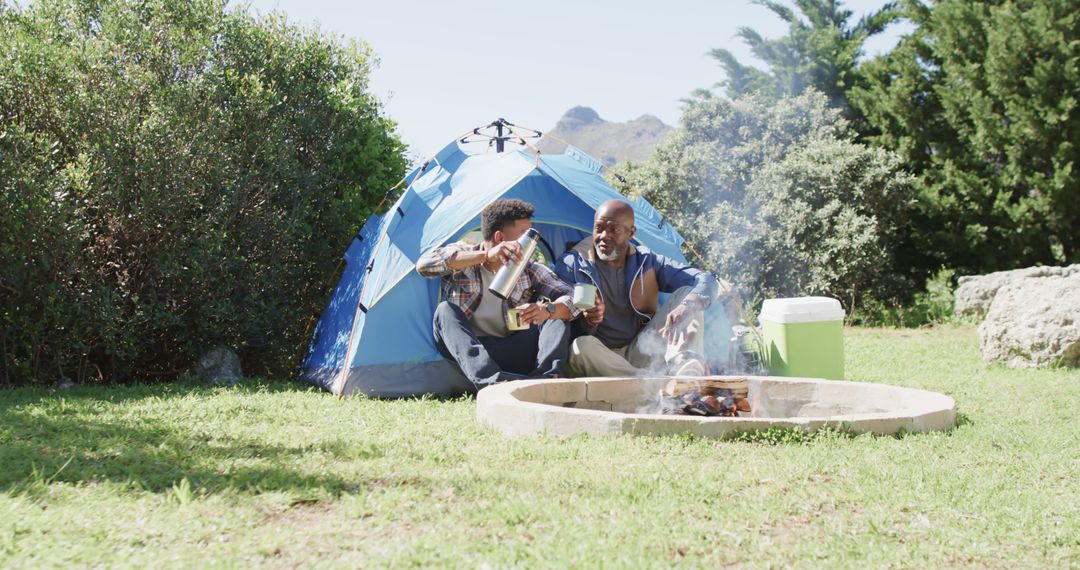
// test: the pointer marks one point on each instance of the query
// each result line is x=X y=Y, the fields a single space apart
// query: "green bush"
x=931 y=306
x=779 y=199
x=174 y=176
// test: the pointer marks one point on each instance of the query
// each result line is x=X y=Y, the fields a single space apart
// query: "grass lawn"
x=276 y=474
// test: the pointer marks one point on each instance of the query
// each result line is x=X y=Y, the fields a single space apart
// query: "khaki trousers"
x=648 y=354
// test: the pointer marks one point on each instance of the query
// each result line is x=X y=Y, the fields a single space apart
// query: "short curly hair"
x=500 y=214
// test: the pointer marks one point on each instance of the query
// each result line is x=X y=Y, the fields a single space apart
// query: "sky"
x=446 y=67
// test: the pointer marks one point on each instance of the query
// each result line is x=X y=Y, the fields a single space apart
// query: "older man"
x=470 y=325
x=628 y=333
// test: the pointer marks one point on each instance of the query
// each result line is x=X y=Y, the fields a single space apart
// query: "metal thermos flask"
x=508 y=274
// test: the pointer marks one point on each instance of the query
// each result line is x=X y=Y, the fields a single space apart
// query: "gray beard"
x=615 y=255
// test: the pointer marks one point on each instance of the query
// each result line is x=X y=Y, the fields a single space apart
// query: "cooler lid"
x=801 y=310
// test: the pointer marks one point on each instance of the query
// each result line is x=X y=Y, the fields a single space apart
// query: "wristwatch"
x=550 y=307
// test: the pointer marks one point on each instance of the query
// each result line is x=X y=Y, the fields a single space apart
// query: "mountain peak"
x=582 y=115
x=609 y=142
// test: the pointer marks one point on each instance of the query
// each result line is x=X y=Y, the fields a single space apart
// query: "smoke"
x=733 y=345
x=770 y=196
x=653 y=348
x=730 y=347
x=734 y=183
x=778 y=197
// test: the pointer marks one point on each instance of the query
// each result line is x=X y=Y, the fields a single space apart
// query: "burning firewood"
x=705 y=396
x=708 y=386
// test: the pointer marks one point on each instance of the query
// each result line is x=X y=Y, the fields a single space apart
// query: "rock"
x=1034 y=322
x=974 y=293
x=219 y=366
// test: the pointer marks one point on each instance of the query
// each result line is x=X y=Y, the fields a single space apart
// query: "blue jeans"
x=536 y=351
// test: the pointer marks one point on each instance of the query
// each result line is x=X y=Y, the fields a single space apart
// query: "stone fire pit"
x=608 y=406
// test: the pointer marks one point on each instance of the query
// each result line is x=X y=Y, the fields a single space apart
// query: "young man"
x=470 y=323
x=628 y=333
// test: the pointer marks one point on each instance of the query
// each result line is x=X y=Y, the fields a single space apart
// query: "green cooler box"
x=804 y=336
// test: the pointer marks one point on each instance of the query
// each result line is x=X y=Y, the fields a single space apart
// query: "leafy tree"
x=981 y=101
x=174 y=176
x=820 y=51
x=778 y=198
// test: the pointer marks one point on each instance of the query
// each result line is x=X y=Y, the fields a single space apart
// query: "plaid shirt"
x=464 y=287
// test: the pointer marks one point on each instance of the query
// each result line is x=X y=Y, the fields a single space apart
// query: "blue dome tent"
x=375 y=336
